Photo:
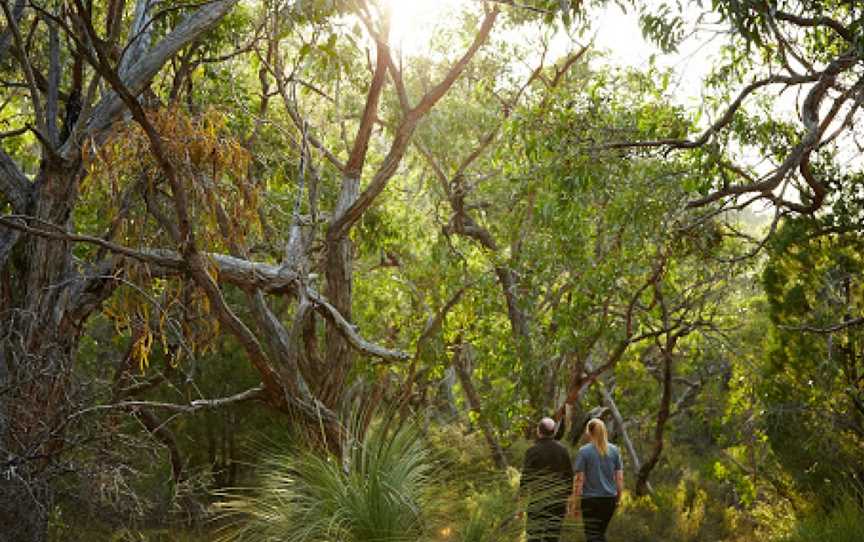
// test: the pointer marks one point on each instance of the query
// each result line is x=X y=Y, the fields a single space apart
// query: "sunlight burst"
x=413 y=22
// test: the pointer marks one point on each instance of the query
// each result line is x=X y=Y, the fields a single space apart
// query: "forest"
x=312 y=270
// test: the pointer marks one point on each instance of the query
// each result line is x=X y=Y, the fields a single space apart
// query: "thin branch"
x=725 y=119
x=17 y=13
x=569 y=62
x=52 y=108
x=354 y=167
x=12 y=24
x=22 y=223
x=826 y=330
x=345 y=220
x=199 y=404
x=814 y=22
x=526 y=7
x=350 y=332
x=293 y=112
x=799 y=156
x=432 y=327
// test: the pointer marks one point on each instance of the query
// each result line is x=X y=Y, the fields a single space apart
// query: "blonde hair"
x=597 y=432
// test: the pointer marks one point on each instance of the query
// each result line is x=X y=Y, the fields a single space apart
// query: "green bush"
x=682 y=513
x=843 y=524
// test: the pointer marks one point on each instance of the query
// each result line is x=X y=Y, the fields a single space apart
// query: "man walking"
x=546 y=478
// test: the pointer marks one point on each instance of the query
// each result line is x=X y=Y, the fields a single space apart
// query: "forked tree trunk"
x=45 y=300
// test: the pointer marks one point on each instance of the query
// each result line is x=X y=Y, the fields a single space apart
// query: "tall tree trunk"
x=463 y=362
x=445 y=402
x=642 y=485
x=39 y=333
x=340 y=282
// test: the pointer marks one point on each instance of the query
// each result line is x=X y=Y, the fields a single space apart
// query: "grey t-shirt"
x=599 y=470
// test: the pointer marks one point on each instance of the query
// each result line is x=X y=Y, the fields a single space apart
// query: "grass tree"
x=376 y=495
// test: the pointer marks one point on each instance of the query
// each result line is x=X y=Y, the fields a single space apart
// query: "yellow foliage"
x=141 y=349
x=126 y=184
x=212 y=165
x=691 y=511
x=170 y=311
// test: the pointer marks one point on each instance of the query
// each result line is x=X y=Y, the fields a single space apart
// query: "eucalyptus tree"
x=787 y=100
x=184 y=193
x=590 y=249
x=783 y=107
x=775 y=48
x=48 y=294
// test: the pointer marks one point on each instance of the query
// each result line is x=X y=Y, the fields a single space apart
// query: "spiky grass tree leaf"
x=376 y=495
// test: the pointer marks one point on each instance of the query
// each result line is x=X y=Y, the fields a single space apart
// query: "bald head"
x=546 y=427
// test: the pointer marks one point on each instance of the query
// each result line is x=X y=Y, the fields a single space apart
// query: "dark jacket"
x=547 y=469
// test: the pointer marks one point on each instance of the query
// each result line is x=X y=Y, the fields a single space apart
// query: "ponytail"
x=598 y=435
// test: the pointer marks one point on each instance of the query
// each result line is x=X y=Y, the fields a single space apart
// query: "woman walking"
x=598 y=480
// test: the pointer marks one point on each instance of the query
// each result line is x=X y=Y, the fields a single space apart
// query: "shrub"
x=376 y=496
x=845 y=523
x=682 y=513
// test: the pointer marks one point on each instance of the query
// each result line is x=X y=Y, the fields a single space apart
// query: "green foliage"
x=664 y=27
x=579 y=220
x=811 y=384
x=682 y=513
x=845 y=523
x=377 y=495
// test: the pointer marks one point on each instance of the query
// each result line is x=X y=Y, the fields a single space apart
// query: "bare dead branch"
x=193 y=406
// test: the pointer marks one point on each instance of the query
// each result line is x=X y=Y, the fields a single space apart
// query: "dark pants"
x=545 y=525
x=596 y=514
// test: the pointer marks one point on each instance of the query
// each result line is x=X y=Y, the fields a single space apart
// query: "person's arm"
x=575 y=497
x=619 y=476
x=528 y=472
x=578 y=480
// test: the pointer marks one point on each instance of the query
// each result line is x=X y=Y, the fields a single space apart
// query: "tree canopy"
x=229 y=222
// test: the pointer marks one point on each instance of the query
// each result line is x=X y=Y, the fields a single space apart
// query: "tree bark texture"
x=340 y=282
x=40 y=326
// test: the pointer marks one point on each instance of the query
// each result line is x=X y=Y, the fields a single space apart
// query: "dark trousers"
x=545 y=525
x=596 y=514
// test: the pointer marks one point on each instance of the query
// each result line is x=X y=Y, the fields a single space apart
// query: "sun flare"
x=413 y=22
